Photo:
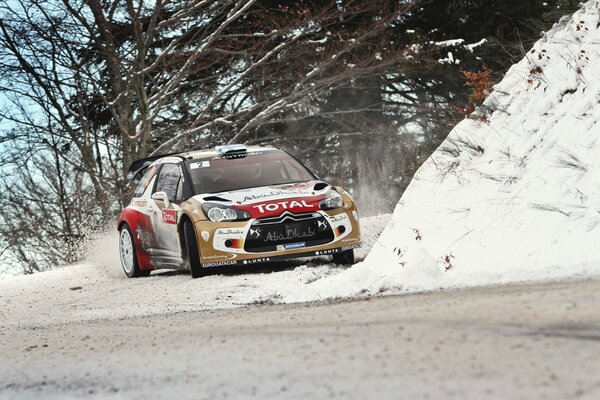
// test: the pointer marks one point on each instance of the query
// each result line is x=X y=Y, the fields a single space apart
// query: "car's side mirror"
x=162 y=196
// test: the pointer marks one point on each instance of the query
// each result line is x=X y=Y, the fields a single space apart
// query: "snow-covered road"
x=99 y=289
x=539 y=341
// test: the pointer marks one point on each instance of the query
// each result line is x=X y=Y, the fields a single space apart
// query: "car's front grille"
x=288 y=231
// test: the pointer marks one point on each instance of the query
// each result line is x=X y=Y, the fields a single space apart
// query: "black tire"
x=193 y=253
x=133 y=270
x=344 y=258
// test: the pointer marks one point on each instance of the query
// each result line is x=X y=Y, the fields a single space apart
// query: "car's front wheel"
x=128 y=254
x=344 y=258
x=193 y=253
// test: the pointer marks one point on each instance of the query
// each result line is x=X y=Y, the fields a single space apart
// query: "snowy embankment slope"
x=99 y=290
x=513 y=194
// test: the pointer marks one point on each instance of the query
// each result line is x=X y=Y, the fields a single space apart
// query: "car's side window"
x=143 y=183
x=168 y=181
x=179 y=195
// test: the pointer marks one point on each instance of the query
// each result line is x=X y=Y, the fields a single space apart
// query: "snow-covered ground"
x=98 y=289
x=513 y=194
x=536 y=341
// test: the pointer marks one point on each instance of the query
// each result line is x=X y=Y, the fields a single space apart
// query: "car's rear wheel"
x=128 y=254
x=344 y=258
x=193 y=252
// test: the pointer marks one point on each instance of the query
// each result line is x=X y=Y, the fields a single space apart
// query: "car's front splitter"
x=281 y=257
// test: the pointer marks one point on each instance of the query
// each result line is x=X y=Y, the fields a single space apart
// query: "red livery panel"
x=141 y=227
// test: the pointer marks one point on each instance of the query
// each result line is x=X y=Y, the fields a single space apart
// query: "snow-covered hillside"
x=514 y=192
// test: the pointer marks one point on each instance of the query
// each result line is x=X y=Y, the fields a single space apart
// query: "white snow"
x=472 y=46
x=449 y=59
x=513 y=194
x=319 y=41
x=449 y=43
x=454 y=43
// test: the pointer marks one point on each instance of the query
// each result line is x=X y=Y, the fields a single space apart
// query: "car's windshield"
x=240 y=171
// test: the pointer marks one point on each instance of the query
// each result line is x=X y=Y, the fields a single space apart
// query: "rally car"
x=232 y=205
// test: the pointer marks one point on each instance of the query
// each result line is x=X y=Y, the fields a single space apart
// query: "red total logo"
x=169 y=216
x=274 y=208
x=282 y=205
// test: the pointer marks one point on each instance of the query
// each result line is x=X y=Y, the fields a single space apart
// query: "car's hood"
x=267 y=201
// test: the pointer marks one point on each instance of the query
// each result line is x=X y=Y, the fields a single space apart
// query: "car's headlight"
x=219 y=212
x=332 y=200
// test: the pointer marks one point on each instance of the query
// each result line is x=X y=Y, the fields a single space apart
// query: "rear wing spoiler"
x=139 y=166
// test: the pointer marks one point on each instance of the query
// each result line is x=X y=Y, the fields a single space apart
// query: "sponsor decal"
x=290 y=234
x=300 y=185
x=205 y=235
x=230 y=232
x=219 y=257
x=138 y=203
x=283 y=205
x=264 y=195
x=242 y=155
x=200 y=164
x=327 y=252
x=257 y=260
x=291 y=246
x=169 y=216
x=339 y=217
x=266 y=208
x=353 y=246
x=219 y=263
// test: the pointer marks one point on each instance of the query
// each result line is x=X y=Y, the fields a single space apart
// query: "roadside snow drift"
x=514 y=192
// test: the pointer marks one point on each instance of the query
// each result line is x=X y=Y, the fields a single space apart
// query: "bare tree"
x=92 y=85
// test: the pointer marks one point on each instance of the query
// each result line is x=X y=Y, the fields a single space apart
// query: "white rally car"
x=232 y=205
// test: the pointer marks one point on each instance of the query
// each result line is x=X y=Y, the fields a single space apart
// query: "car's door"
x=166 y=197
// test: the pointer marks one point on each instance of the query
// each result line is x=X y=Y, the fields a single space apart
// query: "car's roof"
x=211 y=153
x=225 y=151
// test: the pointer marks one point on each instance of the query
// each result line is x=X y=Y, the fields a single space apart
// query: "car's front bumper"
x=234 y=243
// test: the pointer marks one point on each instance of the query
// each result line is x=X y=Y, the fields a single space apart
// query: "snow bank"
x=513 y=193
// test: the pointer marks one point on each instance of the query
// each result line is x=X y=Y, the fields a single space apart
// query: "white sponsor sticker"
x=291 y=246
x=219 y=263
x=200 y=164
